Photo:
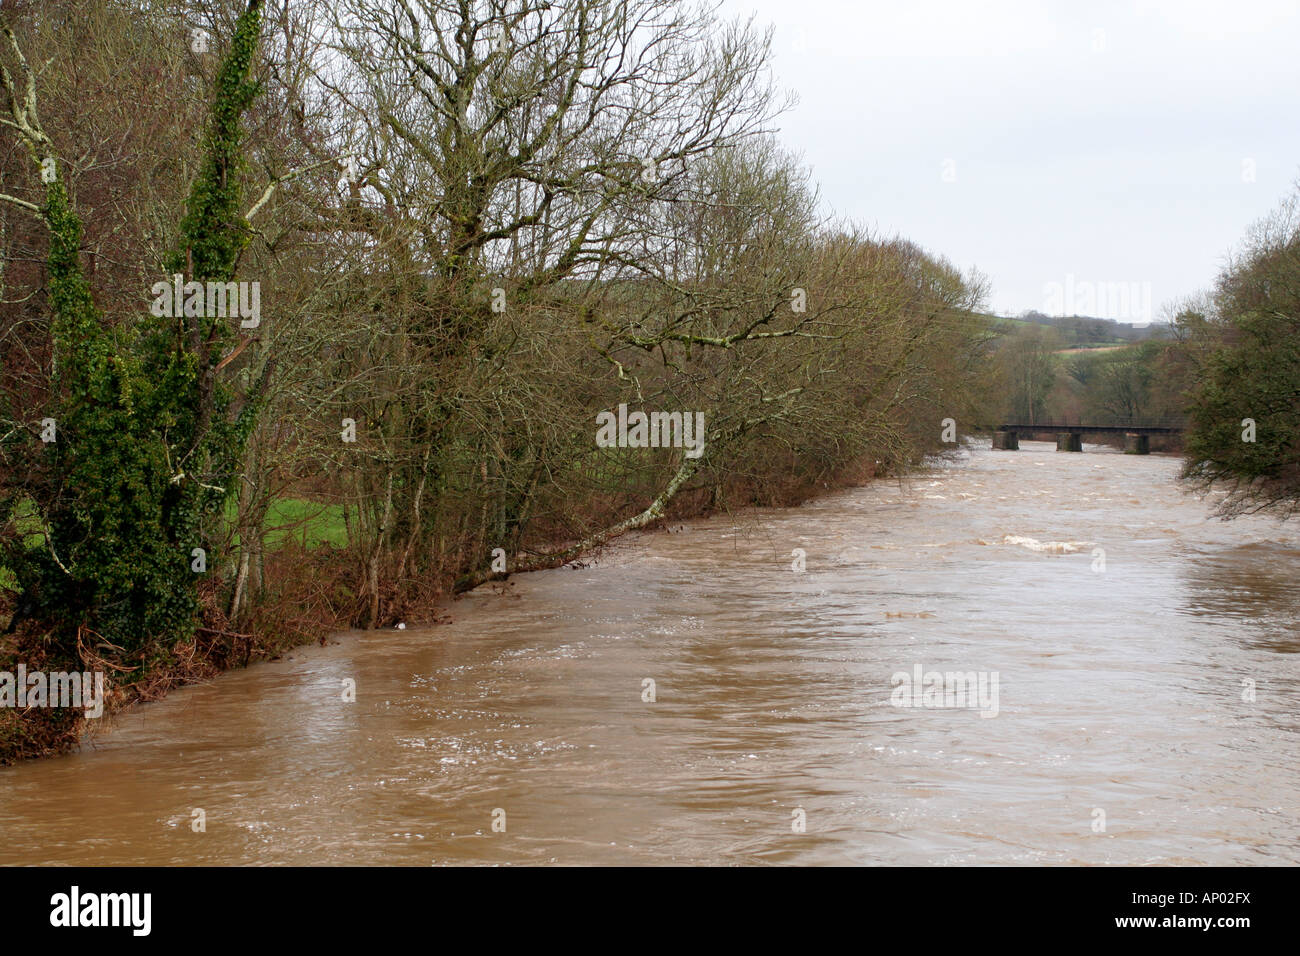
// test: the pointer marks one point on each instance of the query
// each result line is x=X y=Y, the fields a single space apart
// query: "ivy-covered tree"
x=142 y=437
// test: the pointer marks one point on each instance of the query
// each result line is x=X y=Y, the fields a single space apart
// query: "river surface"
x=1125 y=729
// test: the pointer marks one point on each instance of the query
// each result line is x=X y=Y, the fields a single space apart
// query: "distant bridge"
x=1137 y=438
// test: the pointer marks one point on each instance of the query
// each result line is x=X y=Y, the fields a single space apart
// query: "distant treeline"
x=1044 y=381
x=1083 y=330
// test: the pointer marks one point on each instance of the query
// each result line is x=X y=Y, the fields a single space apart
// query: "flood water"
x=1123 y=698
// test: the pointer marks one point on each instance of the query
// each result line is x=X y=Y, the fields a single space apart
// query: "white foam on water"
x=1052 y=547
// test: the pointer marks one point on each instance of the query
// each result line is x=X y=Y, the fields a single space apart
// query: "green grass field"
x=298 y=519
x=309 y=522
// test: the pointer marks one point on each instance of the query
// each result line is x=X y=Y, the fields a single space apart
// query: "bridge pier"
x=1136 y=444
x=1069 y=441
x=1006 y=441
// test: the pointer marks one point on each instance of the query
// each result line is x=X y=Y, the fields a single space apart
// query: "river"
x=1146 y=700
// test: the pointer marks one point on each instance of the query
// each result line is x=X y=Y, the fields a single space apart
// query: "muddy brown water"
x=1122 y=692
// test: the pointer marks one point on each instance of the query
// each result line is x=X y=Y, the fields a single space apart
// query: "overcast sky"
x=1055 y=146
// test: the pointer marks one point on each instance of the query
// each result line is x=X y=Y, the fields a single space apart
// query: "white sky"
x=1111 y=142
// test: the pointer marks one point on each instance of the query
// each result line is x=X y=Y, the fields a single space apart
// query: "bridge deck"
x=1096 y=429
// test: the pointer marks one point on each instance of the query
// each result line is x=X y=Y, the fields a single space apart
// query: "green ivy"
x=147 y=447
